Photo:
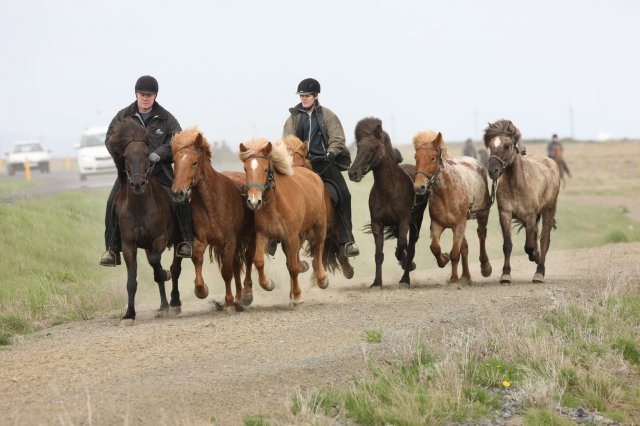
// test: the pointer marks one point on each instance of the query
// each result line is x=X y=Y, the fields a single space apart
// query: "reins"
x=144 y=175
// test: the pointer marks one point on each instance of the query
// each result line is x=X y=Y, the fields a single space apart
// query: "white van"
x=93 y=157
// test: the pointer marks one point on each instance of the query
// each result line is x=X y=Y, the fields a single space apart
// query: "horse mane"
x=125 y=132
x=428 y=138
x=294 y=144
x=279 y=155
x=501 y=128
x=187 y=138
x=372 y=126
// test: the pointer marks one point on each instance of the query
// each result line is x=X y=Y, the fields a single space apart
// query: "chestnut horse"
x=333 y=257
x=394 y=208
x=220 y=218
x=457 y=190
x=145 y=215
x=288 y=207
x=527 y=190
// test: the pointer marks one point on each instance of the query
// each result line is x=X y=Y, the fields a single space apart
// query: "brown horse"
x=527 y=190
x=145 y=215
x=393 y=206
x=556 y=155
x=457 y=190
x=333 y=257
x=220 y=218
x=288 y=207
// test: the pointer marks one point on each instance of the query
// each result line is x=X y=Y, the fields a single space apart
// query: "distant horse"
x=393 y=206
x=288 y=207
x=145 y=214
x=527 y=190
x=556 y=155
x=457 y=190
x=220 y=218
x=333 y=257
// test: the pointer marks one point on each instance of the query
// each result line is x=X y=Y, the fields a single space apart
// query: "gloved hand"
x=331 y=157
x=154 y=158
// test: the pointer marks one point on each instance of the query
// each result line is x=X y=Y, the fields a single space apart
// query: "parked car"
x=93 y=156
x=30 y=151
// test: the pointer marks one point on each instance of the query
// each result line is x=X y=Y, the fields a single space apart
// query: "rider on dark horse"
x=161 y=126
x=553 y=146
x=322 y=131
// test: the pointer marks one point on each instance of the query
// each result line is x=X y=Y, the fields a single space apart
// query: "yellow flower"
x=506 y=384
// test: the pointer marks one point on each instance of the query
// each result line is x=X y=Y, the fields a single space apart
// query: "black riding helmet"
x=147 y=85
x=308 y=85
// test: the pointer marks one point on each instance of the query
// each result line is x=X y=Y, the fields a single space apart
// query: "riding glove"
x=154 y=158
x=331 y=157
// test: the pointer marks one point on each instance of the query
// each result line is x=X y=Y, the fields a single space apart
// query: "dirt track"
x=204 y=364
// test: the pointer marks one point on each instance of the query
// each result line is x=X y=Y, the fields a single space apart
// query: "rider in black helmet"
x=321 y=130
x=161 y=125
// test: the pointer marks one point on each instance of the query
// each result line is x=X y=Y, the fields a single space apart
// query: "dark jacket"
x=161 y=127
x=331 y=128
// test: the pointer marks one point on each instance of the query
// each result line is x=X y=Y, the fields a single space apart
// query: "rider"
x=550 y=148
x=161 y=126
x=321 y=130
x=468 y=149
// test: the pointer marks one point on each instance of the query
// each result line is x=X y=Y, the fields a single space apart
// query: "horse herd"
x=278 y=196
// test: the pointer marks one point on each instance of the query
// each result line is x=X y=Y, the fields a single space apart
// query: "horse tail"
x=217 y=253
x=390 y=231
x=331 y=252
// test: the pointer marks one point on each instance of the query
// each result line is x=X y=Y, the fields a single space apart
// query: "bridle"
x=431 y=179
x=269 y=184
x=145 y=176
x=504 y=164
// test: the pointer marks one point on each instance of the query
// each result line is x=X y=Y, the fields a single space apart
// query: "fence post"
x=27 y=171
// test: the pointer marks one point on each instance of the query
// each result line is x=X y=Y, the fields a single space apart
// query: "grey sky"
x=232 y=67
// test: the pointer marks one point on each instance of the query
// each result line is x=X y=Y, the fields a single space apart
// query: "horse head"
x=191 y=152
x=430 y=149
x=370 y=143
x=501 y=139
x=298 y=151
x=129 y=146
x=258 y=171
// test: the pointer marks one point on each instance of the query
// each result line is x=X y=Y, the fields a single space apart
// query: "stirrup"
x=184 y=249
x=110 y=258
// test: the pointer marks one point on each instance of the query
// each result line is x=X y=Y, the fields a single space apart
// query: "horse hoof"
x=505 y=279
x=443 y=263
x=304 y=266
x=486 y=270
x=269 y=286
x=218 y=306
x=295 y=302
x=404 y=284
x=465 y=280
x=538 y=278
x=324 y=283
x=347 y=273
x=375 y=286
x=246 y=299
x=413 y=266
x=202 y=291
x=168 y=277
x=176 y=310
x=239 y=307
x=162 y=313
x=126 y=322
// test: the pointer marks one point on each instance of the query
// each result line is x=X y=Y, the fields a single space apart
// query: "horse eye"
x=195 y=164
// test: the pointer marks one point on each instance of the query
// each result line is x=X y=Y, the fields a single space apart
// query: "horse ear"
x=378 y=131
x=438 y=141
x=198 y=142
x=242 y=147
x=267 y=148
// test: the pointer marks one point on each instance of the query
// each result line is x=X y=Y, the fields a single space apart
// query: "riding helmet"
x=308 y=85
x=147 y=85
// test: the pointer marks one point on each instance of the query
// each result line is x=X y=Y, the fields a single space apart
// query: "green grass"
x=16 y=186
x=372 y=336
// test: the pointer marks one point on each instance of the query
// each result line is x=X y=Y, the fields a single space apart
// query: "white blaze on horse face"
x=496 y=141
x=254 y=164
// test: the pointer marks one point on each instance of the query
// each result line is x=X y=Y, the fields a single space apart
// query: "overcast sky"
x=232 y=67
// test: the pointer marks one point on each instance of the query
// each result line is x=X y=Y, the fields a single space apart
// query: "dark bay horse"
x=527 y=190
x=393 y=205
x=289 y=206
x=333 y=257
x=457 y=190
x=145 y=215
x=220 y=218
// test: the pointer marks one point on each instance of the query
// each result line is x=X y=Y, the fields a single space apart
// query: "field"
x=317 y=362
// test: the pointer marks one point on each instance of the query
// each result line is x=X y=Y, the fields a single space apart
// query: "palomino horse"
x=527 y=190
x=457 y=190
x=145 y=214
x=288 y=207
x=220 y=218
x=393 y=206
x=333 y=257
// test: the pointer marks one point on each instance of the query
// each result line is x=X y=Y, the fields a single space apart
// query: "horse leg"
x=441 y=258
x=485 y=265
x=292 y=248
x=226 y=270
x=247 y=285
x=507 y=246
x=414 y=233
x=402 y=249
x=258 y=260
x=199 y=246
x=531 y=242
x=378 y=237
x=129 y=254
x=159 y=276
x=456 y=250
x=319 y=273
x=176 y=269
x=548 y=220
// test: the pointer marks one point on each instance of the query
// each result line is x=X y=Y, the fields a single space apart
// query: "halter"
x=431 y=179
x=269 y=184
x=515 y=152
x=144 y=175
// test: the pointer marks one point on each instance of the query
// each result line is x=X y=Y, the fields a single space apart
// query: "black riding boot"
x=184 y=219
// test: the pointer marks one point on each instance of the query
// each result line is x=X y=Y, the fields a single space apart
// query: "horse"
x=394 y=208
x=145 y=215
x=527 y=190
x=220 y=218
x=333 y=258
x=288 y=207
x=458 y=191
